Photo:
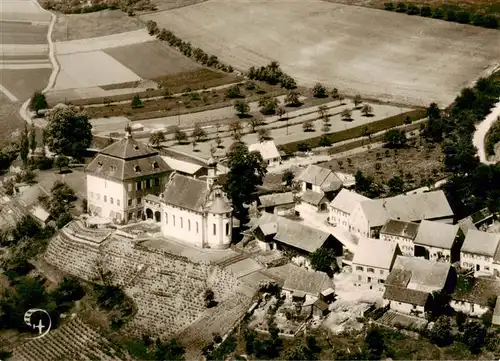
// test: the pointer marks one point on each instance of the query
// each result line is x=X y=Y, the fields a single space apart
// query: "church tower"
x=212 y=172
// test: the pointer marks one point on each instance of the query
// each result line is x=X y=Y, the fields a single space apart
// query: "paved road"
x=479 y=135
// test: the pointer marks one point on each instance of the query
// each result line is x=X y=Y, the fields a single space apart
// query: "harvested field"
x=22 y=33
x=480 y=6
x=22 y=83
x=91 y=69
x=102 y=23
x=152 y=60
x=102 y=42
x=13 y=50
x=417 y=163
x=379 y=54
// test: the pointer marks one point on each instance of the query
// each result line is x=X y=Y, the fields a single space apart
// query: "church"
x=129 y=181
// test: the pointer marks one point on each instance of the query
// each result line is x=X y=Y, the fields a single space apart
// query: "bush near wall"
x=448 y=14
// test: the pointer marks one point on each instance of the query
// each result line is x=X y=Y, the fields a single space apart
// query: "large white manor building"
x=128 y=181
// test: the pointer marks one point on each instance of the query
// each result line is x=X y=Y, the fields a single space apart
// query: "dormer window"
x=113 y=168
x=136 y=147
x=99 y=164
x=155 y=165
x=137 y=169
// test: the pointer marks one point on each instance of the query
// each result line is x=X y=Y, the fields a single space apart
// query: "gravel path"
x=479 y=135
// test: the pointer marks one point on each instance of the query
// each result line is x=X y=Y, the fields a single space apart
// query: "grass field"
x=379 y=54
x=152 y=60
x=22 y=83
x=10 y=121
x=102 y=23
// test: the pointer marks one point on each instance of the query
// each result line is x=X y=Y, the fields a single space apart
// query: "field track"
x=379 y=54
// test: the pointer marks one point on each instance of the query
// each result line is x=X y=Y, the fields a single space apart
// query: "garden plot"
x=91 y=69
x=22 y=33
x=379 y=54
x=102 y=42
x=100 y=23
x=23 y=10
x=152 y=59
x=22 y=83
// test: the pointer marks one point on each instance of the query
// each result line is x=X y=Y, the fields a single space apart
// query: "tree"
x=335 y=94
x=179 y=135
x=435 y=124
x=25 y=145
x=152 y=27
x=440 y=334
x=473 y=337
x=209 y=297
x=323 y=114
x=170 y=350
x=280 y=111
x=308 y=126
x=440 y=304
x=323 y=260
x=32 y=138
x=357 y=100
x=242 y=108
x=250 y=340
x=246 y=172
x=263 y=134
x=395 y=138
x=268 y=105
x=396 y=185
x=157 y=138
x=367 y=110
x=234 y=92
x=325 y=128
x=62 y=162
x=319 y=91
x=254 y=123
x=235 y=128
x=346 y=114
x=292 y=99
x=38 y=102
x=198 y=133
x=136 y=102
x=288 y=82
x=287 y=177
x=68 y=131
x=375 y=343
x=460 y=319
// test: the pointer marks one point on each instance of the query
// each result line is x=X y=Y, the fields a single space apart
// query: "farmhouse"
x=475 y=299
x=373 y=260
x=401 y=233
x=438 y=241
x=121 y=176
x=478 y=220
x=193 y=211
x=268 y=151
x=412 y=281
x=480 y=252
x=304 y=285
x=187 y=164
x=318 y=185
x=277 y=202
x=275 y=232
x=342 y=206
x=369 y=216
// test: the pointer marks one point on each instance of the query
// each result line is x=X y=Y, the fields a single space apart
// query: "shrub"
x=463 y=17
x=234 y=92
x=426 y=11
x=325 y=141
x=412 y=10
x=319 y=91
x=438 y=14
x=401 y=8
x=63 y=220
x=478 y=20
x=136 y=102
x=451 y=15
x=491 y=22
x=303 y=147
x=389 y=6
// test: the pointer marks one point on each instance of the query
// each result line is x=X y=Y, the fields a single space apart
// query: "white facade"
x=358 y=223
x=438 y=254
x=405 y=244
x=469 y=308
x=339 y=218
x=481 y=264
x=309 y=186
x=106 y=198
x=407 y=308
x=369 y=274
x=199 y=229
